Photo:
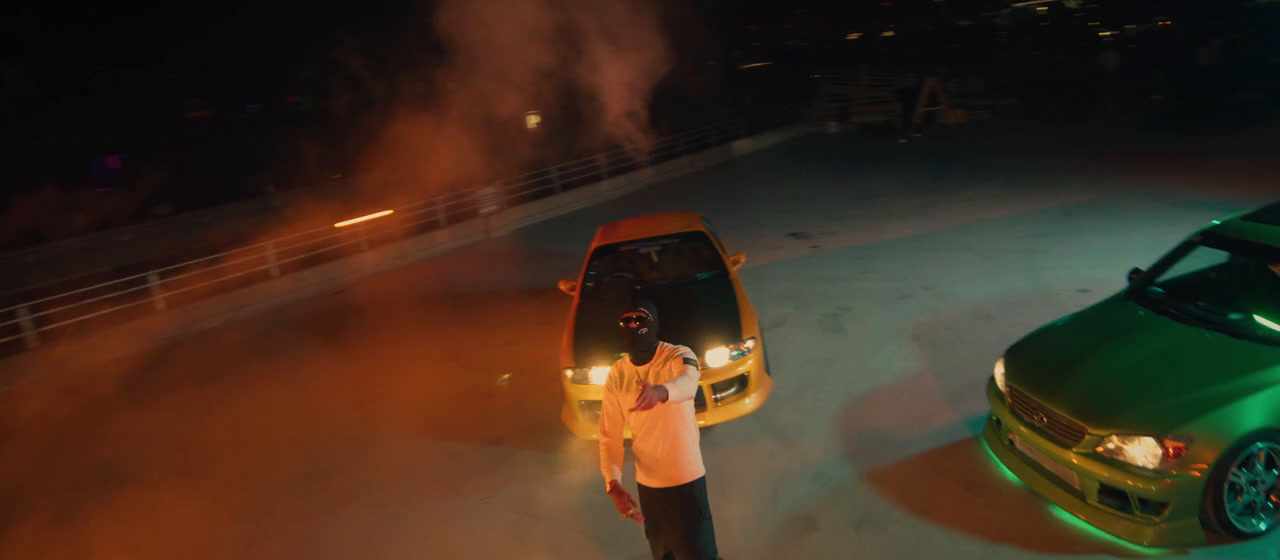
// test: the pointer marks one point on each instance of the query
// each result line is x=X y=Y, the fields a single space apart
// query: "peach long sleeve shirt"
x=665 y=438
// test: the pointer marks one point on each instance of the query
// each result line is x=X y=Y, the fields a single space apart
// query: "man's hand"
x=650 y=396
x=626 y=505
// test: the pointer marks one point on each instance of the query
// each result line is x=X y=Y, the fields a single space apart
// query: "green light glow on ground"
x=1066 y=517
x=1084 y=527
x=996 y=461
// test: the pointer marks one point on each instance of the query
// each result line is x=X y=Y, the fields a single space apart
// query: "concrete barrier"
x=159 y=328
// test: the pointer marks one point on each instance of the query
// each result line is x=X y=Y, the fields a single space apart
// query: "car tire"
x=1214 y=512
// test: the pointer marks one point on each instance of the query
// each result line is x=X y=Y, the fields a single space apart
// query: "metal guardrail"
x=130 y=296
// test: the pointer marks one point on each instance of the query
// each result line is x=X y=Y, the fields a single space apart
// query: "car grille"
x=590 y=409
x=724 y=389
x=1059 y=428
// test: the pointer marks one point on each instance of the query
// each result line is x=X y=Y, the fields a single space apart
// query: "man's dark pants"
x=677 y=521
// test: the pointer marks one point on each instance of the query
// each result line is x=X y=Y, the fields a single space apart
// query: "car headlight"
x=587 y=375
x=1145 y=451
x=722 y=355
x=998 y=374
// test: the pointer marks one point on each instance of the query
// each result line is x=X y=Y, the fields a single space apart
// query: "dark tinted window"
x=1269 y=214
x=653 y=261
x=714 y=236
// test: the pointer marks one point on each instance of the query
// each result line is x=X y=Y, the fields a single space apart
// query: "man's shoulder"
x=678 y=347
x=680 y=351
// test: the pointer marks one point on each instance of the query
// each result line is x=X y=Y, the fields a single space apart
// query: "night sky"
x=189 y=106
x=103 y=74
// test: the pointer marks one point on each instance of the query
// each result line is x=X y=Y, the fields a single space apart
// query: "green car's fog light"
x=1114 y=498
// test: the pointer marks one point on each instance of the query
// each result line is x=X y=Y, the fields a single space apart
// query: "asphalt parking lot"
x=415 y=414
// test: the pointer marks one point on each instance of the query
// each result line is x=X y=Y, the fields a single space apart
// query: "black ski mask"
x=640 y=331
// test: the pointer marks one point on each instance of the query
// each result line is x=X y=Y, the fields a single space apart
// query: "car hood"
x=700 y=314
x=1120 y=367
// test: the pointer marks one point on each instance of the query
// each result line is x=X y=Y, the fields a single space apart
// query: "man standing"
x=651 y=389
x=909 y=100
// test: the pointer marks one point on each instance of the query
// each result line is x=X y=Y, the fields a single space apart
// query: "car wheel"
x=1242 y=498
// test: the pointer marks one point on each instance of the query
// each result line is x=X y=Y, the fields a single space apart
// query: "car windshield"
x=653 y=261
x=1218 y=282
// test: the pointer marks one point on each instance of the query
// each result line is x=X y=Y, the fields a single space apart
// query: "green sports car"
x=1154 y=414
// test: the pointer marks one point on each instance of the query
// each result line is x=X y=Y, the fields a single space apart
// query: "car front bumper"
x=1145 y=508
x=581 y=410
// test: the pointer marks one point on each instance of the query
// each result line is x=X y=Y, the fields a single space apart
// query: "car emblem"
x=1039 y=418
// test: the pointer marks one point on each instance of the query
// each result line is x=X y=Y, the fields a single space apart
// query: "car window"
x=714 y=236
x=1233 y=275
x=654 y=260
x=1201 y=259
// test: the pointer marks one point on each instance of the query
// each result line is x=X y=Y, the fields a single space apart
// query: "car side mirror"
x=736 y=260
x=1134 y=274
x=568 y=286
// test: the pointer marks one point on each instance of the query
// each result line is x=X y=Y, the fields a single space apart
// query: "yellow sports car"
x=679 y=263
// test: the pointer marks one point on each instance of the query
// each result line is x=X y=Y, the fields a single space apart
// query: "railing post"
x=30 y=338
x=602 y=163
x=153 y=280
x=489 y=199
x=272 y=265
x=555 y=179
x=500 y=195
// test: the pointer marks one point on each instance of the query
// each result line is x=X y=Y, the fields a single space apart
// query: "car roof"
x=650 y=225
x=1261 y=225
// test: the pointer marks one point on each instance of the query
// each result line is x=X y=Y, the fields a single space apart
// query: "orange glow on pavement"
x=364 y=218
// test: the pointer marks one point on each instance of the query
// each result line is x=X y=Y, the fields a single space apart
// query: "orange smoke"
x=590 y=63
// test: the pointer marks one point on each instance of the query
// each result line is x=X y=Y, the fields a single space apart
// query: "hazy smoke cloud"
x=588 y=66
x=441 y=100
